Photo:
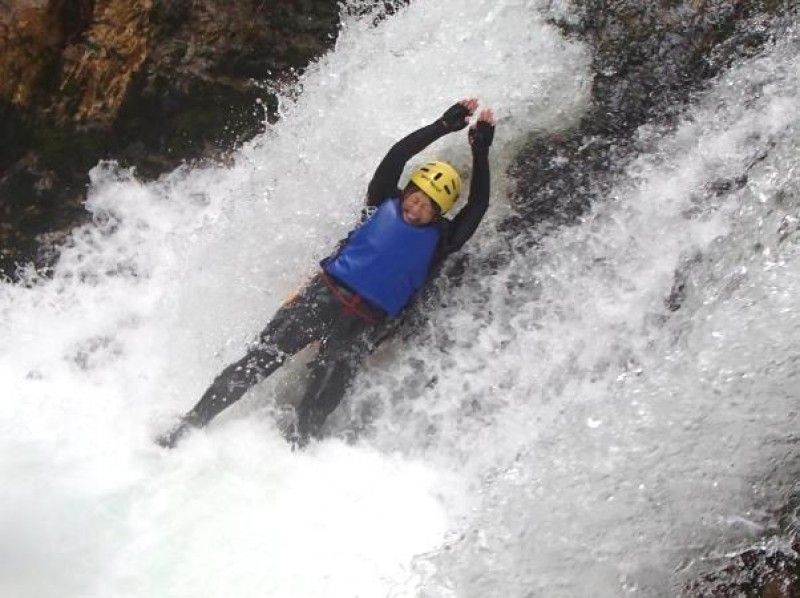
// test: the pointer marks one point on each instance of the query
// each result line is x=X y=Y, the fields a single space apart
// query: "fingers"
x=487 y=116
x=471 y=104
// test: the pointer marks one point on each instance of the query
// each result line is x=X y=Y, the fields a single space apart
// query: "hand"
x=458 y=115
x=481 y=133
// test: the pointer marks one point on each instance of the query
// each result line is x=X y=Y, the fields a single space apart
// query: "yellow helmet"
x=439 y=181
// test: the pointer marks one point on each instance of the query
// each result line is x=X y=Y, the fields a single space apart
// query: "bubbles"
x=175 y=277
x=555 y=414
x=614 y=400
x=631 y=432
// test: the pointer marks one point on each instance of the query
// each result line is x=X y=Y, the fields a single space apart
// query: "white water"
x=578 y=439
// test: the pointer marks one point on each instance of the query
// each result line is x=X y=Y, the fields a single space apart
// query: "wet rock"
x=148 y=82
x=719 y=187
x=649 y=58
x=770 y=569
x=755 y=573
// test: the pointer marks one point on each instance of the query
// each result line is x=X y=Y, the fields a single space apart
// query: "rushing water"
x=551 y=429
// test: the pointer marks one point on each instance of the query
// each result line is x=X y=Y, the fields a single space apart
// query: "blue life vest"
x=385 y=260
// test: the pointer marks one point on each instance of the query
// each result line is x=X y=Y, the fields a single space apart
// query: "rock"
x=649 y=57
x=756 y=573
x=769 y=569
x=149 y=82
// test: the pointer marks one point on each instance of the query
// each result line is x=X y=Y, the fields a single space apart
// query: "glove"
x=456 y=117
x=481 y=135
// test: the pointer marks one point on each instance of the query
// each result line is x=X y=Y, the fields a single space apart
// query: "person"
x=371 y=276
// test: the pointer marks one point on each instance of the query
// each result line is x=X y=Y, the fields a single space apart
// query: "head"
x=432 y=191
x=418 y=208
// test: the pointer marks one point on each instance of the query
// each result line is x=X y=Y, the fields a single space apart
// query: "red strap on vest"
x=350 y=305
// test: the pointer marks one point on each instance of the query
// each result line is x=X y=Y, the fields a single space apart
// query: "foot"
x=296 y=440
x=169 y=439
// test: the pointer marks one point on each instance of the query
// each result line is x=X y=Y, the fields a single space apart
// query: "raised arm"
x=466 y=221
x=384 y=181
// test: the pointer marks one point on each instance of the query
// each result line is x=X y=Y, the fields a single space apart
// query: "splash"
x=624 y=394
x=174 y=278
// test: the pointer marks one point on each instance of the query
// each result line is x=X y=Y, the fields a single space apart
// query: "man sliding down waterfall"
x=372 y=276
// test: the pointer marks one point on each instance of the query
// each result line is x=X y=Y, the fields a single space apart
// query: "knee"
x=265 y=355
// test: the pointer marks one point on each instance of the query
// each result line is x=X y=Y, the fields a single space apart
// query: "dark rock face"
x=147 y=82
x=649 y=57
x=769 y=569
x=756 y=573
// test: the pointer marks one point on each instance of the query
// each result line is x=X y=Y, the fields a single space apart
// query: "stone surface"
x=754 y=573
x=148 y=82
x=769 y=569
x=649 y=57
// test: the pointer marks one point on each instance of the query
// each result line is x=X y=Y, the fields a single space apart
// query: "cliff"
x=148 y=82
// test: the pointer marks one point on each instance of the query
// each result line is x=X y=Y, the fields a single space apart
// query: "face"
x=418 y=209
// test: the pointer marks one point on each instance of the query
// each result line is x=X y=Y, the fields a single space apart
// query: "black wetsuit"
x=326 y=311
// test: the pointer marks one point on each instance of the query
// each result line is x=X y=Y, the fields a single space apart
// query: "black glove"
x=481 y=135
x=456 y=117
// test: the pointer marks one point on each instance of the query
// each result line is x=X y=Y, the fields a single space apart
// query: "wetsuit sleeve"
x=384 y=181
x=467 y=220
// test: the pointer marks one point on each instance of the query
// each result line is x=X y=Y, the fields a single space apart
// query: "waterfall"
x=584 y=416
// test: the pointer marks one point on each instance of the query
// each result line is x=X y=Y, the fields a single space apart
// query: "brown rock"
x=97 y=72
x=30 y=39
x=148 y=82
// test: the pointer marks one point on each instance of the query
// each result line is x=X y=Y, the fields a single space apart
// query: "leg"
x=331 y=373
x=304 y=319
x=236 y=379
